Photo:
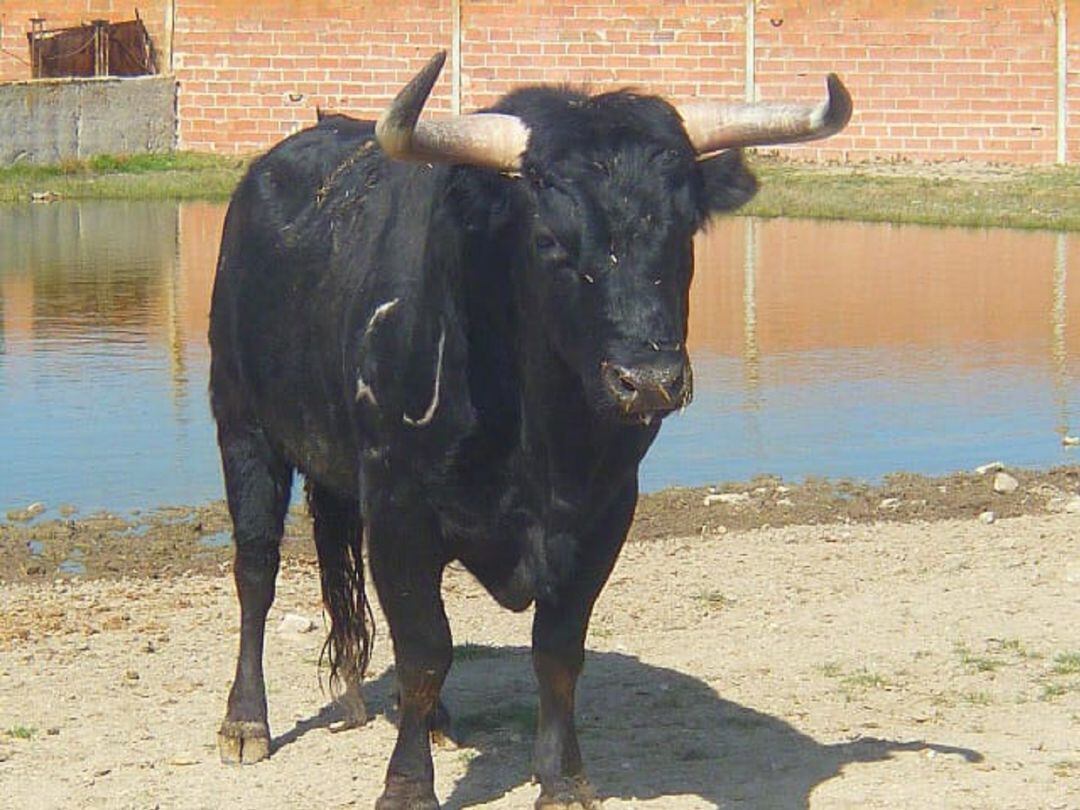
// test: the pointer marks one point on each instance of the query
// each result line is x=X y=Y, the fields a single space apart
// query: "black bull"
x=464 y=334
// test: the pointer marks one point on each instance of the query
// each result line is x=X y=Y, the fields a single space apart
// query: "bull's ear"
x=728 y=182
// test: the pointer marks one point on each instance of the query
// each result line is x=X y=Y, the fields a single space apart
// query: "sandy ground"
x=879 y=665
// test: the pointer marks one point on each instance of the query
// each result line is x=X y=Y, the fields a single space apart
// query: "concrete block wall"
x=932 y=79
x=52 y=120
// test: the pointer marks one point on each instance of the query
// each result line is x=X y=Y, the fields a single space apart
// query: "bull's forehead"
x=637 y=187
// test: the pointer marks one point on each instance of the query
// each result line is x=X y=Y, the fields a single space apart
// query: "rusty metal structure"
x=96 y=48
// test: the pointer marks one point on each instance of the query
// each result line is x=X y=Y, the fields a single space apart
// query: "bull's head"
x=615 y=186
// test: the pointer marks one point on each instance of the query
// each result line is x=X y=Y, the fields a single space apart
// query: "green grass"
x=1015 y=197
x=1066 y=768
x=1067 y=664
x=475 y=652
x=866 y=680
x=1054 y=690
x=517 y=718
x=715 y=600
x=1045 y=197
x=177 y=175
x=21 y=732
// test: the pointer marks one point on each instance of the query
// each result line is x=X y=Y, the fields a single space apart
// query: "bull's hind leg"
x=339 y=542
x=407 y=564
x=257 y=483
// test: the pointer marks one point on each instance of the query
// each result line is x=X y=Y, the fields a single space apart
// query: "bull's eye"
x=667 y=158
x=545 y=242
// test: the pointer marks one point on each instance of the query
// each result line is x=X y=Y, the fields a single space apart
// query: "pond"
x=819 y=349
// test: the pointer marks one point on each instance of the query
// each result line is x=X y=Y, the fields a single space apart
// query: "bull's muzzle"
x=648 y=389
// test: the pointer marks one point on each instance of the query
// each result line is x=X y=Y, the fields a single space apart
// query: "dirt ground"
x=828 y=645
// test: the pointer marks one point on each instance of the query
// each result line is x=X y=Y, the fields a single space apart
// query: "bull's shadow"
x=646 y=732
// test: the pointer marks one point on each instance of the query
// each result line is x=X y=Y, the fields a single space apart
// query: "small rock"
x=295 y=623
x=183 y=760
x=993 y=466
x=987 y=517
x=131 y=675
x=1005 y=483
x=889 y=503
x=52 y=731
x=67 y=510
x=1070 y=441
x=728 y=498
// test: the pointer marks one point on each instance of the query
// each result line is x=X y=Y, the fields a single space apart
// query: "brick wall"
x=680 y=49
x=252 y=72
x=932 y=79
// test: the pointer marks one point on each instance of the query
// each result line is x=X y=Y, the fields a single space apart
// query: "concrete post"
x=751 y=79
x=1062 y=82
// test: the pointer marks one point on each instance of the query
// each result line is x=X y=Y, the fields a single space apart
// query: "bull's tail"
x=339 y=544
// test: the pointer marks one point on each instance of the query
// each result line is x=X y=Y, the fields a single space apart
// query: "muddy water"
x=831 y=349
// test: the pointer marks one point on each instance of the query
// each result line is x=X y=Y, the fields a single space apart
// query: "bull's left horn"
x=491 y=140
x=712 y=126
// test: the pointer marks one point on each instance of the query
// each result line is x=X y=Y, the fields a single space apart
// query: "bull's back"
x=272 y=343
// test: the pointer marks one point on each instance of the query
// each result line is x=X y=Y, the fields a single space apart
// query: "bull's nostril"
x=626 y=384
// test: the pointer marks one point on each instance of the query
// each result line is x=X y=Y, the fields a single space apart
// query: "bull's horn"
x=487 y=139
x=713 y=126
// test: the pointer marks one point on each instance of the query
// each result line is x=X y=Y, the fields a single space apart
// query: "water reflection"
x=104 y=360
x=819 y=349
x=853 y=350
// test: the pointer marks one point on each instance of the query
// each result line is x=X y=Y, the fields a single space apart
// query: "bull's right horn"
x=712 y=126
x=491 y=140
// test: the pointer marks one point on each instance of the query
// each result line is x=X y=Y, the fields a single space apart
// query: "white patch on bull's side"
x=381 y=311
x=429 y=414
x=365 y=391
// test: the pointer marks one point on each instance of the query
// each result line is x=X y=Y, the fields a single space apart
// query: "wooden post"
x=37 y=25
x=101 y=47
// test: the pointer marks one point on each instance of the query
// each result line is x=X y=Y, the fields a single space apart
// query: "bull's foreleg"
x=407 y=564
x=257 y=482
x=559 y=629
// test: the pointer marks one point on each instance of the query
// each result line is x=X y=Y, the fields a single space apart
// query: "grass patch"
x=831 y=669
x=715 y=600
x=1067 y=664
x=517 y=718
x=866 y=680
x=175 y=175
x=1066 y=768
x=973 y=662
x=475 y=652
x=1012 y=197
x=21 y=732
x=1054 y=690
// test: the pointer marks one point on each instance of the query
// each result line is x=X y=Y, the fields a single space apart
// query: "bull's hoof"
x=402 y=795
x=570 y=793
x=242 y=742
x=353 y=708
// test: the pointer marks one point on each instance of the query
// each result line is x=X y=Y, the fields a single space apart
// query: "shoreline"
x=954 y=194
x=168 y=541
